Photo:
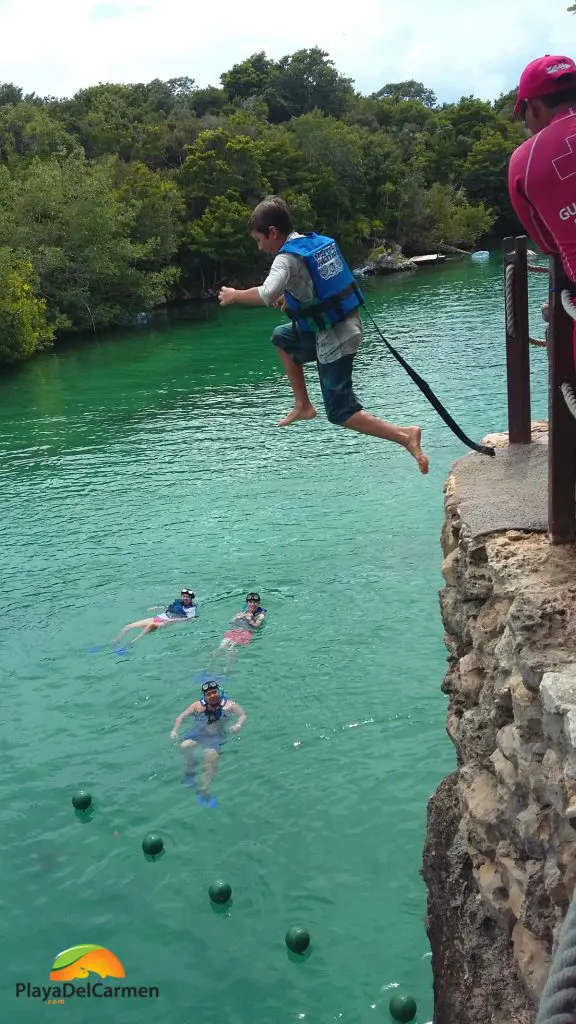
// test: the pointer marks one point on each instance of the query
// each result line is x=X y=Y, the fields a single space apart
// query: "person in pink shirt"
x=542 y=171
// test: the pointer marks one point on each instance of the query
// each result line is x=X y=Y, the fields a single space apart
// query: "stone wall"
x=500 y=854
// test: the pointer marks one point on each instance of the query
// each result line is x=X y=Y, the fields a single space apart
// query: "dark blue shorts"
x=340 y=401
x=208 y=741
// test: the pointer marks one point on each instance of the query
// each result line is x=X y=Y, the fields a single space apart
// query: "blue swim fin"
x=189 y=779
x=209 y=801
x=120 y=650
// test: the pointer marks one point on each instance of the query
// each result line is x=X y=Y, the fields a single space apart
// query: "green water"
x=134 y=467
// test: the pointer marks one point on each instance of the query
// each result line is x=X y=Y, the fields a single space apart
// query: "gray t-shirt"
x=289 y=273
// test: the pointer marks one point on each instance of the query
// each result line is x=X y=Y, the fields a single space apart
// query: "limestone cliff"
x=500 y=853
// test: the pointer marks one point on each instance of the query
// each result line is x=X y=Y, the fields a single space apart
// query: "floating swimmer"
x=181 y=610
x=208 y=733
x=242 y=628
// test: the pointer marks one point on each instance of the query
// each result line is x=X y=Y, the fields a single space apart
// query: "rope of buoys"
x=537 y=270
x=435 y=402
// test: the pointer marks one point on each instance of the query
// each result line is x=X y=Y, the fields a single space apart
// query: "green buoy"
x=82 y=800
x=220 y=892
x=152 y=844
x=403 y=1008
x=297 y=939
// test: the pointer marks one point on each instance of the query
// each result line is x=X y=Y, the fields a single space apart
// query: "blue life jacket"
x=176 y=608
x=336 y=291
x=259 y=611
x=214 y=714
x=179 y=608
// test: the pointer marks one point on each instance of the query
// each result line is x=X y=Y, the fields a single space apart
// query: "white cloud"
x=63 y=46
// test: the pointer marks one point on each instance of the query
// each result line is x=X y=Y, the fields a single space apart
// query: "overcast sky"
x=60 y=46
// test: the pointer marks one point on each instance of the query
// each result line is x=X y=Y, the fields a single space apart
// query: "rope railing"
x=561 y=374
x=517 y=333
x=509 y=300
x=509 y=305
x=569 y=397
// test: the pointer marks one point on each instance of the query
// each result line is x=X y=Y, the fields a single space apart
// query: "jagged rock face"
x=472 y=955
x=500 y=854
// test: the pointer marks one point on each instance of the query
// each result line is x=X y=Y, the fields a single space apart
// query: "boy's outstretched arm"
x=265 y=294
x=246 y=297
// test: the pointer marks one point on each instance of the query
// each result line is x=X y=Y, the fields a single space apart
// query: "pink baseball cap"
x=540 y=78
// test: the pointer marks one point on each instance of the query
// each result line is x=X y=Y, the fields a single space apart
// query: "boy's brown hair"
x=272 y=212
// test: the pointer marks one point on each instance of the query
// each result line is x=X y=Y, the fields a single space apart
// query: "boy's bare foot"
x=304 y=412
x=413 y=446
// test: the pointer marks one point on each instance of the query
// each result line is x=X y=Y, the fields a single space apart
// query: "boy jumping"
x=311 y=280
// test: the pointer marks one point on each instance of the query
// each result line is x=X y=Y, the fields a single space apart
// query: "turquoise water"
x=134 y=467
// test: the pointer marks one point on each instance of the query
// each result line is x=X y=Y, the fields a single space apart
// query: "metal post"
x=517 y=344
x=561 y=423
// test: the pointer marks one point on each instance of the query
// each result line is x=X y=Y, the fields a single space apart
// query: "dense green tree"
x=328 y=144
x=296 y=84
x=70 y=221
x=505 y=103
x=307 y=80
x=24 y=328
x=158 y=208
x=207 y=101
x=409 y=115
x=221 y=161
x=280 y=159
x=411 y=90
x=484 y=172
x=27 y=130
x=127 y=193
x=452 y=218
x=249 y=78
x=10 y=94
x=218 y=244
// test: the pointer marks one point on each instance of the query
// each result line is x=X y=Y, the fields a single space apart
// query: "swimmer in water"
x=208 y=734
x=242 y=627
x=181 y=610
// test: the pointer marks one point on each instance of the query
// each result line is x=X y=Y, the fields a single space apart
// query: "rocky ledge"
x=386 y=258
x=500 y=852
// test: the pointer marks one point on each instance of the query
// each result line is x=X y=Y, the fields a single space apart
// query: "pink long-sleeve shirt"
x=542 y=185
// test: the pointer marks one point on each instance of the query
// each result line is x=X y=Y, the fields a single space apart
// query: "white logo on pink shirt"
x=565 y=165
x=568 y=211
